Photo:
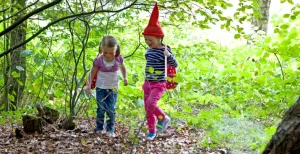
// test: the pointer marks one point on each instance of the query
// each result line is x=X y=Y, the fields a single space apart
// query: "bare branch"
x=3 y=10
x=14 y=25
x=138 y=46
x=281 y=68
x=81 y=5
x=61 y=19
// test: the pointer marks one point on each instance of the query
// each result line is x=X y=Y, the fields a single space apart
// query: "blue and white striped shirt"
x=155 y=66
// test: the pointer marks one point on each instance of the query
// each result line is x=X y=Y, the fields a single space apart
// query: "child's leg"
x=153 y=92
x=100 y=95
x=111 y=102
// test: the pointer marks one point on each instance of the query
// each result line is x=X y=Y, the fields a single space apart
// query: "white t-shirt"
x=107 y=80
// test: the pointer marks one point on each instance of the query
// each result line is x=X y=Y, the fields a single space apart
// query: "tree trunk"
x=5 y=77
x=286 y=140
x=18 y=63
x=262 y=22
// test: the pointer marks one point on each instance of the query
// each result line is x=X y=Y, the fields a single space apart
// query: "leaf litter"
x=83 y=139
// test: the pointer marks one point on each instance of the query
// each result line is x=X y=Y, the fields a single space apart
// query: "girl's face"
x=109 y=53
x=152 y=41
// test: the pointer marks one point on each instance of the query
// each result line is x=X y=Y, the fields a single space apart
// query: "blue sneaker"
x=151 y=136
x=162 y=125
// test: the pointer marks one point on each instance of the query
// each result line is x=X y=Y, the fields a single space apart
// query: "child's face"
x=152 y=41
x=109 y=53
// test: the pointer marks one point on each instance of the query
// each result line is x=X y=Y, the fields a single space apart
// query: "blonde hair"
x=109 y=41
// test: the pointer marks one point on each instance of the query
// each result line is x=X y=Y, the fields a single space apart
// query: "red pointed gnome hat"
x=153 y=28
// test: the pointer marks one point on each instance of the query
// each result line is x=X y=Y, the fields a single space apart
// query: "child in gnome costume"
x=155 y=82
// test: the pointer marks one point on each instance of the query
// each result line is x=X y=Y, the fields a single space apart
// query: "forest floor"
x=83 y=139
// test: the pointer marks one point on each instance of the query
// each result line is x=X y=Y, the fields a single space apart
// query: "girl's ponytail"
x=118 y=51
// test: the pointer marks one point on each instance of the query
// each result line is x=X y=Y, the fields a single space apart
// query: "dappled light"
x=134 y=76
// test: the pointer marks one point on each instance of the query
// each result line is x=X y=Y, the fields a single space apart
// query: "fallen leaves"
x=85 y=140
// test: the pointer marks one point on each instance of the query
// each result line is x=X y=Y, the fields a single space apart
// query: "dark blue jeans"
x=106 y=103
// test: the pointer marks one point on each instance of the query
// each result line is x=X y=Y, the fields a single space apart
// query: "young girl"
x=106 y=67
x=155 y=82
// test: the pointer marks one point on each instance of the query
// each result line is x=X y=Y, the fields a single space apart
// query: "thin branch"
x=103 y=5
x=69 y=6
x=138 y=46
x=108 y=19
x=81 y=5
x=4 y=10
x=280 y=66
x=73 y=96
x=95 y=5
x=58 y=20
x=20 y=21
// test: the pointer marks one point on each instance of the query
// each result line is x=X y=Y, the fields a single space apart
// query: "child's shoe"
x=110 y=134
x=99 y=131
x=162 y=125
x=151 y=136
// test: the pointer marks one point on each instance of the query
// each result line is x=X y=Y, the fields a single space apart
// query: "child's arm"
x=124 y=74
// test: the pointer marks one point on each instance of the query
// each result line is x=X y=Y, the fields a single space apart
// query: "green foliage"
x=15 y=117
x=236 y=95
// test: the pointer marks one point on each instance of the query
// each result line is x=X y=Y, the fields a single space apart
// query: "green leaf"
x=20 y=83
x=286 y=15
x=276 y=30
x=232 y=78
x=59 y=93
x=15 y=74
x=293 y=17
x=284 y=26
x=26 y=53
x=293 y=35
x=261 y=79
x=282 y=1
x=236 y=36
x=187 y=109
x=268 y=39
x=246 y=74
x=270 y=130
x=291 y=2
x=11 y=97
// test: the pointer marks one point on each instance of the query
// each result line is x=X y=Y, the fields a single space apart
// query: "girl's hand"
x=87 y=90
x=167 y=53
x=125 y=82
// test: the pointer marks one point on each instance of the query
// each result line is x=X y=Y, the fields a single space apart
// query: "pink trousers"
x=152 y=93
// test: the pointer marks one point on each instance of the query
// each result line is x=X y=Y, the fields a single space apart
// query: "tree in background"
x=261 y=19
x=14 y=71
x=17 y=72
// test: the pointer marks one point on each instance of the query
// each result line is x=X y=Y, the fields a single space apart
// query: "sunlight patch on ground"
x=241 y=134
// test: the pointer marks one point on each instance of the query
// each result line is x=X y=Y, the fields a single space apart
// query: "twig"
x=280 y=66
x=138 y=46
x=136 y=135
